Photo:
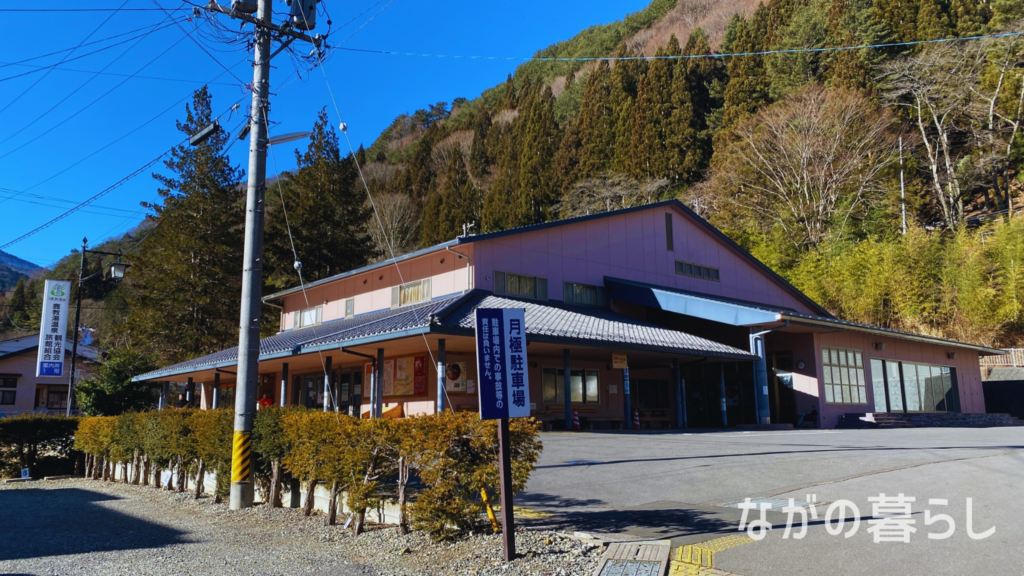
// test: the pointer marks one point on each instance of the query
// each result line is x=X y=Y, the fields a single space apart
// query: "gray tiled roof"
x=372 y=324
x=551 y=321
x=586 y=325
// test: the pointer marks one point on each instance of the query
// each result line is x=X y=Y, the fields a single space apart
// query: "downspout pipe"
x=761 y=373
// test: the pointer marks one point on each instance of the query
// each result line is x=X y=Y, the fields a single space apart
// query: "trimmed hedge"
x=41 y=443
x=370 y=461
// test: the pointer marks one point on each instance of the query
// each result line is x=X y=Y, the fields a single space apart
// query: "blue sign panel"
x=504 y=388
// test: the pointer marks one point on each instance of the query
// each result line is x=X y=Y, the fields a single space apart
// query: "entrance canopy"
x=546 y=323
x=751 y=314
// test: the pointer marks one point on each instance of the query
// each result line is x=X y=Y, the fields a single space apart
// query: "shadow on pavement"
x=39 y=523
x=664 y=520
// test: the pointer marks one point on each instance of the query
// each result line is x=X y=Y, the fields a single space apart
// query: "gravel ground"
x=91 y=527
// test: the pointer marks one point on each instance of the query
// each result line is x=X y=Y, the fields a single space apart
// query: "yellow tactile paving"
x=528 y=513
x=699 y=559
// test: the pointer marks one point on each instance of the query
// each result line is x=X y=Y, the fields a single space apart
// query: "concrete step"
x=855 y=420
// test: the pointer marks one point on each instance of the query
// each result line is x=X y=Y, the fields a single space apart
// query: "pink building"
x=711 y=335
x=21 y=391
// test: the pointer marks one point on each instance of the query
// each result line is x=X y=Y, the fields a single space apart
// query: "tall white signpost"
x=504 y=392
x=52 y=329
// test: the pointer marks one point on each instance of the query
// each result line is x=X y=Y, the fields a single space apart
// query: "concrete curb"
x=64 y=477
x=15 y=480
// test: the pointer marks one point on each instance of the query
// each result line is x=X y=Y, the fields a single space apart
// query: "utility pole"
x=242 y=489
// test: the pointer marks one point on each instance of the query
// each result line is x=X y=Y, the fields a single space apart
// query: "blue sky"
x=370 y=91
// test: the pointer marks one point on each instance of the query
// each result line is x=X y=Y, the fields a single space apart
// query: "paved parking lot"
x=674 y=485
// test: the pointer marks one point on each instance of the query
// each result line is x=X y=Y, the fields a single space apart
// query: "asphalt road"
x=677 y=486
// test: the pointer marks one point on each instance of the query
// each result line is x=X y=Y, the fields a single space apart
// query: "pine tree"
x=538 y=141
x=478 y=158
x=747 y=89
x=705 y=80
x=625 y=77
x=899 y=18
x=594 y=124
x=969 y=17
x=327 y=213
x=186 y=279
x=932 y=22
x=498 y=212
x=649 y=156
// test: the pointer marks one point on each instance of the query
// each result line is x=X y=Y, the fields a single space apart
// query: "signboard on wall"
x=501 y=363
x=52 y=328
x=619 y=361
x=455 y=377
x=403 y=376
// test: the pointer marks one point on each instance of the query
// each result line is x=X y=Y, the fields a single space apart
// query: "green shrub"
x=212 y=433
x=43 y=444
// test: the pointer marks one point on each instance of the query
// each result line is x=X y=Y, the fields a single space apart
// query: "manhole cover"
x=649 y=558
x=631 y=568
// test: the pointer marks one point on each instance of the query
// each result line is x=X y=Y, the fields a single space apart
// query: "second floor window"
x=410 y=293
x=697 y=271
x=8 y=382
x=350 y=307
x=308 y=317
x=520 y=285
x=584 y=294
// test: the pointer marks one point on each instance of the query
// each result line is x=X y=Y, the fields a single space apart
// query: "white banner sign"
x=52 y=328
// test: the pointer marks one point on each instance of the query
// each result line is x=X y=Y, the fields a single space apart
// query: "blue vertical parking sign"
x=501 y=364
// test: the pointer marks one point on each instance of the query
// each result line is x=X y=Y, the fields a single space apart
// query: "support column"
x=721 y=394
x=378 y=398
x=682 y=394
x=284 y=384
x=190 y=392
x=441 y=363
x=216 y=391
x=760 y=379
x=628 y=425
x=679 y=395
x=567 y=385
x=327 y=384
x=161 y=397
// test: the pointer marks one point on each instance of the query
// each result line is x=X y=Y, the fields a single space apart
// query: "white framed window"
x=350 y=307
x=584 y=294
x=520 y=285
x=843 y=369
x=410 y=293
x=308 y=317
x=696 y=271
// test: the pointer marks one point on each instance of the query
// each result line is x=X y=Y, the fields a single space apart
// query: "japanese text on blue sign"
x=52 y=328
x=501 y=363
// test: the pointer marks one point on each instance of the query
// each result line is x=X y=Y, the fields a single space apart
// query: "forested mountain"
x=13 y=268
x=796 y=153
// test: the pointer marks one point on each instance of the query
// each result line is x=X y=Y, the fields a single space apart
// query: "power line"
x=680 y=56
x=201 y=47
x=103 y=192
x=86 y=83
x=5 y=64
x=34 y=84
x=87 y=9
x=90 y=104
x=79 y=57
x=98 y=195
x=111 y=143
x=136 y=76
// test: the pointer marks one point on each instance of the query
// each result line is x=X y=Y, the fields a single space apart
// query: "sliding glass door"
x=912 y=387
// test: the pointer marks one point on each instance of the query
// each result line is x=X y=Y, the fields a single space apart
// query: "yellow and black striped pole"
x=241 y=458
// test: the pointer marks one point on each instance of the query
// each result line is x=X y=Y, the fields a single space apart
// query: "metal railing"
x=1009 y=357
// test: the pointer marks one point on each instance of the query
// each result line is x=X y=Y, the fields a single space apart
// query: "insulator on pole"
x=302 y=14
x=343 y=126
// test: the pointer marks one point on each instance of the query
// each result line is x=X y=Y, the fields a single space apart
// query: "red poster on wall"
x=419 y=385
